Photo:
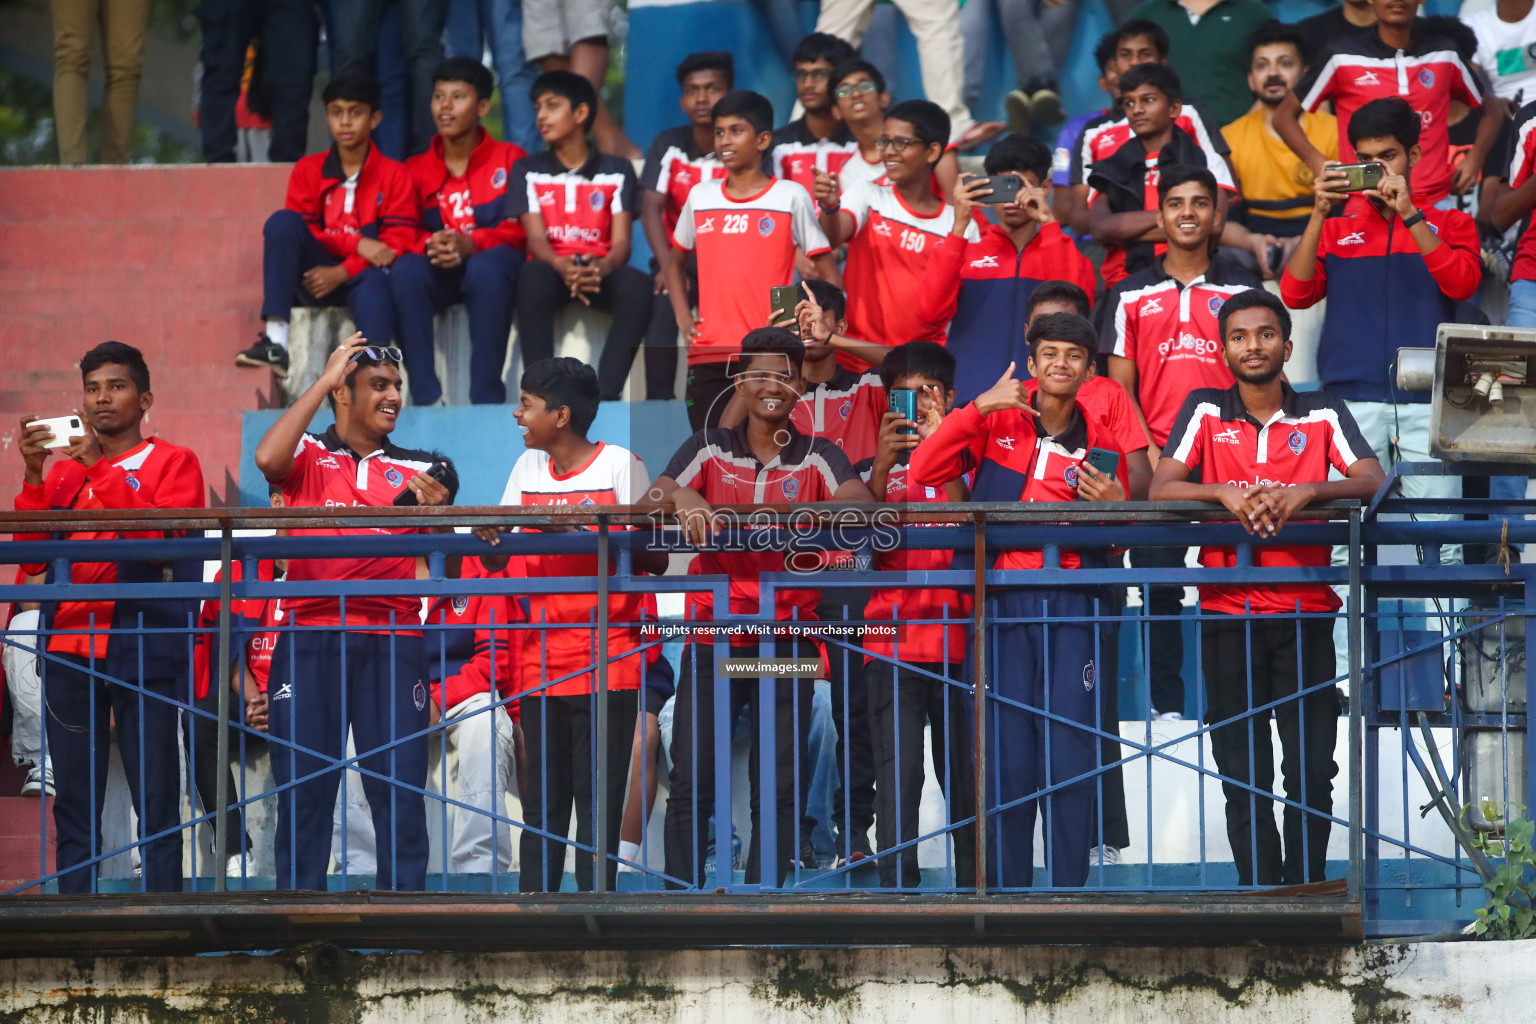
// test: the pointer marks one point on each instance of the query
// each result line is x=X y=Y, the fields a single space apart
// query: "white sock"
x=628 y=851
x=277 y=330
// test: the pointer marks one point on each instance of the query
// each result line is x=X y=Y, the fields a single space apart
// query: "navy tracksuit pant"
x=321 y=683
x=148 y=738
x=289 y=249
x=487 y=285
x=1050 y=666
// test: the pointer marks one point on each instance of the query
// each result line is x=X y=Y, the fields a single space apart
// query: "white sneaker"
x=137 y=860
x=1167 y=716
x=234 y=867
x=1103 y=855
x=39 y=780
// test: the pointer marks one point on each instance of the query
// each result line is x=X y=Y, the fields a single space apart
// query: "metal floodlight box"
x=1483 y=407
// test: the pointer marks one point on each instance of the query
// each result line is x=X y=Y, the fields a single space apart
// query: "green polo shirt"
x=1210 y=55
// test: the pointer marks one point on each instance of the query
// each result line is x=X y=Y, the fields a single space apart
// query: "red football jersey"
x=474 y=203
x=673 y=166
x=1522 y=163
x=256 y=623
x=1109 y=131
x=845 y=410
x=745 y=247
x=578 y=206
x=1312 y=432
x=796 y=155
x=1107 y=402
x=496 y=648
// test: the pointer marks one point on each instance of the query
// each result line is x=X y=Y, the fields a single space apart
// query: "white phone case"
x=63 y=428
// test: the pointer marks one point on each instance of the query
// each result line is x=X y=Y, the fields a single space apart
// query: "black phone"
x=1005 y=189
x=1103 y=460
x=783 y=299
x=903 y=401
x=440 y=471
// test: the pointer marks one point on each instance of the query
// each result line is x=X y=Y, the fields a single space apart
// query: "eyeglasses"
x=812 y=74
x=899 y=146
x=379 y=354
x=864 y=86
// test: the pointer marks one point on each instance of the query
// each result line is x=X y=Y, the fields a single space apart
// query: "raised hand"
x=1007 y=393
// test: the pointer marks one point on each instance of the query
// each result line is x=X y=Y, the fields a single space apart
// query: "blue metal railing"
x=1392 y=869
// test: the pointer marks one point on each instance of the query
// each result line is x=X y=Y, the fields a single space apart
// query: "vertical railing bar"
x=600 y=741
x=979 y=681
x=1356 y=713
x=221 y=786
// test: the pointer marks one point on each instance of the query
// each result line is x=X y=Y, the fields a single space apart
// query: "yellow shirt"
x=1277 y=185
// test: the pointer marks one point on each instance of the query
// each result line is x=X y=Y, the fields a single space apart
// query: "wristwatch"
x=1413 y=218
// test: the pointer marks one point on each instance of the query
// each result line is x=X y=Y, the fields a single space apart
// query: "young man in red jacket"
x=350 y=211
x=469 y=245
x=91 y=669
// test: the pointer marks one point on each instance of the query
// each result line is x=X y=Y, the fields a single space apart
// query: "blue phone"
x=903 y=401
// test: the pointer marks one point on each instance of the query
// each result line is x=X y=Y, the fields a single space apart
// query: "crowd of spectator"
x=857 y=328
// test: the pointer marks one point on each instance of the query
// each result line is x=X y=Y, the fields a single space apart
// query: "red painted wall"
x=164 y=258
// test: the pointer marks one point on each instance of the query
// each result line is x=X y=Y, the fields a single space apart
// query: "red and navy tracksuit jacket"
x=465 y=655
x=1386 y=294
x=475 y=204
x=383 y=204
x=152 y=474
x=981 y=290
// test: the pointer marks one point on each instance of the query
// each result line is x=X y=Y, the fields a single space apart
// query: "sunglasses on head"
x=379 y=354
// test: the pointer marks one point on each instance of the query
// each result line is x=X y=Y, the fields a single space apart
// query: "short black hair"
x=115 y=352
x=1058 y=291
x=1272 y=33
x=1074 y=330
x=468 y=70
x=575 y=88
x=1104 y=49
x=1159 y=76
x=852 y=66
x=1019 y=153
x=821 y=46
x=754 y=108
x=354 y=88
x=918 y=358
x=1180 y=174
x=928 y=121
x=708 y=60
x=1388 y=117
x=829 y=296
x=1254 y=298
x=1141 y=27
x=564 y=381
x=768 y=341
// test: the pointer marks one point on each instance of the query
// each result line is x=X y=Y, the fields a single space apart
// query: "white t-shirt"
x=1506 y=53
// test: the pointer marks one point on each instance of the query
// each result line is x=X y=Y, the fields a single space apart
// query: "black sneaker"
x=808 y=860
x=265 y=352
x=859 y=849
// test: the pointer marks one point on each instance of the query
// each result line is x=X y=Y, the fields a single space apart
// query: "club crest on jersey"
x=133 y=481
x=791 y=488
x=845 y=409
x=765 y=226
x=499 y=177
x=586 y=501
x=419 y=697
x=596 y=200
x=1215 y=304
x=393 y=476
x=460 y=604
x=1426 y=78
x=1297 y=442
x=1088 y=676
x=1071 y=476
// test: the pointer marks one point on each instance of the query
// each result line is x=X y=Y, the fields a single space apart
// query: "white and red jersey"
x=1170 y=332
x=744 y=247
x=328 y=474
x=612 y=476
x=673 y=165
x=858 y=170
x=256 y=625
x=887 y=259
x=1106 y=401
x=1312 y=432
x=1107 y=132
x=1522 y=164
x=916 y=640
x=845 y=410
x=1429 y=74
x=796 y=154
x=578 y=206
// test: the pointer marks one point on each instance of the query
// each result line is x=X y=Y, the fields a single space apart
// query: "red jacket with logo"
x=476 y=204
x=381 y=205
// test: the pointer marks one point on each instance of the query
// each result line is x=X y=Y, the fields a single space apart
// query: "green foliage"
x=1511 y=909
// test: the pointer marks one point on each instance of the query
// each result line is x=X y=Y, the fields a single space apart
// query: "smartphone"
x=1360 y=177
x=903 y=401
x=440 y=472
x=1103 y=460
x=783 y=301
x=63 y=428
x=1005 y=189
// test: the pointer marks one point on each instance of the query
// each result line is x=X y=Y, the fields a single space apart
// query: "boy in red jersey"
x=745 y=231
x=1020 y=452
x=762 y=459
x=1264 y=451
x=578 y=207
x=907 y=675
x=469 y=245
x=350 y=211
x=91 y=670
x=892 y=228
x=563 y=467
x=679 y=158
x=819 y=140
x=377 y=637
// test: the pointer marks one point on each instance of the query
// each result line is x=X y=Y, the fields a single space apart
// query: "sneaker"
x=858 y=850
x=1105 y=855
x=39 y=780
x=1167 y=716
x=235 y=866
x=1021 y=113
x=808 y=859
x=1046 y=104
x=265 y=352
